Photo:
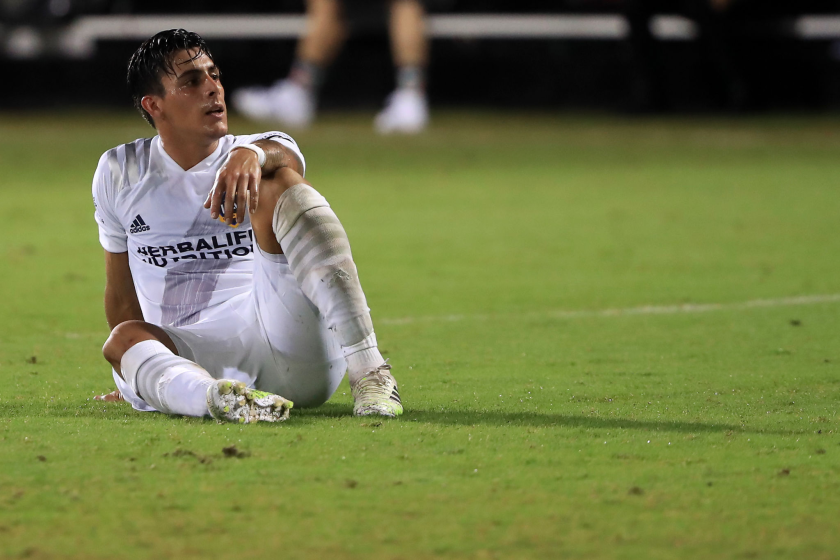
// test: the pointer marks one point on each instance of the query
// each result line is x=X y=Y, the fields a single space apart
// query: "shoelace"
x=374 y=384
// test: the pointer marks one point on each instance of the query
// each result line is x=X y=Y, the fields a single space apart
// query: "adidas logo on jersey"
x=138 y=225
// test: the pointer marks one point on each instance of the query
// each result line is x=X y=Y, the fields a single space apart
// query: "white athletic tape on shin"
x=138 y=354
x=367 y=342
x=360 y=329
x=180 y=384
x=167 y=382
x=174 y=385
x=292 y=204
x=319 y=256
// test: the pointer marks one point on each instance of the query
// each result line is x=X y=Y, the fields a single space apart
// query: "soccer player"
x=293 y=101
x=230 y=280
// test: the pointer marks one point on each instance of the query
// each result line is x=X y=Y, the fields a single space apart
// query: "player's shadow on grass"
x=305 y=417
x=535 y=420
x=541 y=420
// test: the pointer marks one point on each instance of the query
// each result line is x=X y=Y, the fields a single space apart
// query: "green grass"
x=529 y=433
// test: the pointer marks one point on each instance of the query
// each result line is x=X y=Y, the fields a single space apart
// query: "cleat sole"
x=233 y=401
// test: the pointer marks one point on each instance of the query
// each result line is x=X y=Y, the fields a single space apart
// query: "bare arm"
x=239 y=178
x=121 y=303
x=278 y=156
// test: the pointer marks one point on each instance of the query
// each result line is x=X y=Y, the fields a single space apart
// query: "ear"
x=151 y=103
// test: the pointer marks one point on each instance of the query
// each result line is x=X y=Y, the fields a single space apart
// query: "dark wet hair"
x=153 y=59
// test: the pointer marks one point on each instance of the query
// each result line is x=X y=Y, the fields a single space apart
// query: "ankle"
x=411 y=77
x=363 y=362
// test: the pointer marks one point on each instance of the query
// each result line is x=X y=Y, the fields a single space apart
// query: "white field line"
x=620 y=312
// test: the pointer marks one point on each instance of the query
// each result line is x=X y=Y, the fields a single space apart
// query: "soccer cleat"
x=376 y=394
x=233 y=401
x=286 y=102
x=406 y=111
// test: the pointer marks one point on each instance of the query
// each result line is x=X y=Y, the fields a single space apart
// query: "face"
x=193 y=103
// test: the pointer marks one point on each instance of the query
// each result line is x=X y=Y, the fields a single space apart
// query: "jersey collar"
x=204 y=165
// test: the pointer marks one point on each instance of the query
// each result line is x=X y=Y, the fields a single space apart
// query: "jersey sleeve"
x=112 y=235
x=285 y=140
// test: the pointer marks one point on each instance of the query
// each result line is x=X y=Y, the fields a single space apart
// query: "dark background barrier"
x=747 y=58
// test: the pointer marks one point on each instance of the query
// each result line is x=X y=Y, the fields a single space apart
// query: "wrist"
x=253 y=148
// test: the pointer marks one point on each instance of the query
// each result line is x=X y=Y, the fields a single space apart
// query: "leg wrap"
x=319 y=256
x=318 y=252
x=169 y=383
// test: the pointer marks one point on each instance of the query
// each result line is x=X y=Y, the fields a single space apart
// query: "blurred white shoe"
x=285 y=102
x=406 y=111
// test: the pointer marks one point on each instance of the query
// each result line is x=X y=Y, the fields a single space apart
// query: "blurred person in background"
x=293 y=101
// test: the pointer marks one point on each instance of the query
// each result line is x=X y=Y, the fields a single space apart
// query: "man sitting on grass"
x=230 y=280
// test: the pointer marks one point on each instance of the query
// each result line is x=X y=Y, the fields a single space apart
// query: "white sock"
x=362 y=357
x=169 y=383
x=319 y=256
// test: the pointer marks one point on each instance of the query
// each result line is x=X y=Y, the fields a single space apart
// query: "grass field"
x=590 y=319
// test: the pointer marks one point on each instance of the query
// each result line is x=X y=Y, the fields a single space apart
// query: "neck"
x=187 y=153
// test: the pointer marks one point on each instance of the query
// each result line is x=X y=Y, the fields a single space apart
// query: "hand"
x=113 y=396
x=238 y=183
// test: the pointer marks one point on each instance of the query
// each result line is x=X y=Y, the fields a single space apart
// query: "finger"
x=230 y=197
x=216 y=194
x=209 y=196
x=254 y=193
x=241 y=194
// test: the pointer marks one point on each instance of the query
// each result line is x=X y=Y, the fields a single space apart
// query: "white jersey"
x=183 y=262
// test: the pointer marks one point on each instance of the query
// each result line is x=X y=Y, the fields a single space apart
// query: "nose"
x=214 y=87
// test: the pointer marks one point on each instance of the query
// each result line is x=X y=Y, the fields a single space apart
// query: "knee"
x=124 y=336
x=271 y=188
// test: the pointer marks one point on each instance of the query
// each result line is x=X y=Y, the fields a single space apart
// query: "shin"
x=319 y=256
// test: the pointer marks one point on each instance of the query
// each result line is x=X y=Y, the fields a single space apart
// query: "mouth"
x=216 y=111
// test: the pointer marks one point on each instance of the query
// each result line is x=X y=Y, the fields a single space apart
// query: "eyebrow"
x=192 y=71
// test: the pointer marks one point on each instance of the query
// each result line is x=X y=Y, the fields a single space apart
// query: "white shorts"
x=272 y=338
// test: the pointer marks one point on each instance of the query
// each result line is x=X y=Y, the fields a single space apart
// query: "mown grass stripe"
x=619 y=312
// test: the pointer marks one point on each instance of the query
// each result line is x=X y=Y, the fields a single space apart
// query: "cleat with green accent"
x=233 y=401
x=376 y=393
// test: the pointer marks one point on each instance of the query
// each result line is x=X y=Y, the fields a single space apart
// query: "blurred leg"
x=292 y=101
x=409 y=46
x=325 y=32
